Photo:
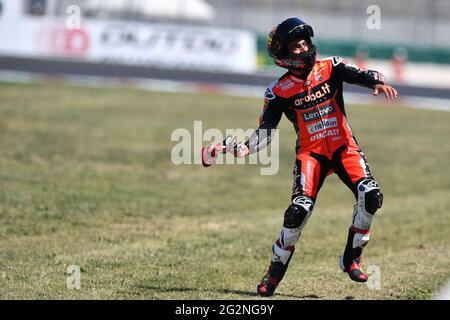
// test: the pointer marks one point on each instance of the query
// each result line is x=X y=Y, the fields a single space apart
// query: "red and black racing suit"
x=315 y=106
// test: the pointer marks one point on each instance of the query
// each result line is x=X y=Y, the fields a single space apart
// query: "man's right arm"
x=260 y=138
x=268 y=122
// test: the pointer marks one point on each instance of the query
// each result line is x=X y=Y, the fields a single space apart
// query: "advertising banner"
x=149 y=44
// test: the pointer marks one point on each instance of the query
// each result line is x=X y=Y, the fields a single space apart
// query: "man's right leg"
x=295 y=218
x=309 y=174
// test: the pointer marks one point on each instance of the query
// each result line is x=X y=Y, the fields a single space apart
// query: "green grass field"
x=86 y=179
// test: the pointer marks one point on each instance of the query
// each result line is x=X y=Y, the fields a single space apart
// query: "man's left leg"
x=354 y=171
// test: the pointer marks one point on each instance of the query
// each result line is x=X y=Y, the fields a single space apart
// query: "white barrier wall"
x=162 y=45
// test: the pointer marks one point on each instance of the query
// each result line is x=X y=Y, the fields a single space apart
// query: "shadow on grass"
x=224 y=291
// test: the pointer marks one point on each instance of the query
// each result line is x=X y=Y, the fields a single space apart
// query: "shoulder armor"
x=269 y=94
x=336 y=60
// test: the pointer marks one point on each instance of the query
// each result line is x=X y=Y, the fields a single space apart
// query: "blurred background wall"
x=409 y=42
x=414 y=22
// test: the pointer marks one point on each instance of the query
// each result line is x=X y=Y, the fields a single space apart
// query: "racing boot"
x=350 y=262
x=272 y=278
x=354 y=271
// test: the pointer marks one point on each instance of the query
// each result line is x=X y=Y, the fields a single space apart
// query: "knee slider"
x=297 y=212
x=374 y=201
x=369 y=196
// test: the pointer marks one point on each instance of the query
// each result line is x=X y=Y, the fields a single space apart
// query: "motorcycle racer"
x=310 y=95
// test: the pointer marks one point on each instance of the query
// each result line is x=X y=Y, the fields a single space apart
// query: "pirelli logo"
x=322 y=125
x=317 y=113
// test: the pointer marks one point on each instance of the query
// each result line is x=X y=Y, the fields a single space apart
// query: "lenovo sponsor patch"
x=317 y=113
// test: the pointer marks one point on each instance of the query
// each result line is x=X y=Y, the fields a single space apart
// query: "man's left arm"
x=372 y=79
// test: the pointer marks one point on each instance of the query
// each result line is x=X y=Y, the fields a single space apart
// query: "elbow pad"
x=261 y=137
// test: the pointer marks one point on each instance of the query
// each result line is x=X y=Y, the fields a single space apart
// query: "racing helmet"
x=283 y=33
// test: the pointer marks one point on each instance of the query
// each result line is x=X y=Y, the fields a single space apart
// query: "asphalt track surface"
x=77 y=68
